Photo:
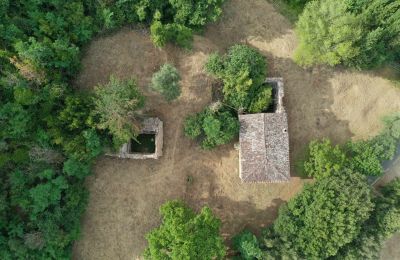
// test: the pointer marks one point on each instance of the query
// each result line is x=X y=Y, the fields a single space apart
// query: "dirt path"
x=125 y=194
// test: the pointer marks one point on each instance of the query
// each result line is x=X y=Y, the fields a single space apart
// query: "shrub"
x=116 y=105
x=323 y=159
x=364 y=158
x=166 y=81
x=185 y=235
x=243 y=72
x=247 y=245
x=213 y=128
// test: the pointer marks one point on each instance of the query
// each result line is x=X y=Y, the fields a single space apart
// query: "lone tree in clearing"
x=166 y=82
x=116 y=105
x=185 y=235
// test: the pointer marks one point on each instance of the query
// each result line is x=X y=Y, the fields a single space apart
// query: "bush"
x=367 y=156
x=243 y=72
x=323 y=159
x=166 y=81
x=185 y=235
x=212 y=128
x=116 y=105
x=247 y=245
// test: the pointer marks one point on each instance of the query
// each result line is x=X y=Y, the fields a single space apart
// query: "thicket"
x=360 y=34
x=365 y=156
x=166 y=81
x=243 y=71
x=212 y=127
x=50 y=135
x=183 y=234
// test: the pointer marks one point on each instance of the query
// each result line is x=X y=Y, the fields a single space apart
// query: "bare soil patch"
x=125 y=194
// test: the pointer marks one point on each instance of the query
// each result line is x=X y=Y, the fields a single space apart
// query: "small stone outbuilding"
x=151 y=125
x=264 y=142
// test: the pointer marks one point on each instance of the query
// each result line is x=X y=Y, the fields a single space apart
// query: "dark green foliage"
x=175 y=20
x=116 y=105
x=383 y=223
x=247 y=245
x=326 y=215
x=323 y=159
x=184 y=234
x=72 y=128
x=212 y=127
x=243 y=72
x=166 y=81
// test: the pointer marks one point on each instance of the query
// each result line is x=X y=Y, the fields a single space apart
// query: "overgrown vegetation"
x=337 y=217
x=243 y=73
x=166 y=81
x=360 y=34
x=363 y=156
x=213 y=126
x=49 y=135
x=184 y=234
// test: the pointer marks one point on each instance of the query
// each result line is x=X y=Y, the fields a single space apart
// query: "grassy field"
x=321 y=102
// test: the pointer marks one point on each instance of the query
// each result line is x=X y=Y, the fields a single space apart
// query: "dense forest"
x=49 y=134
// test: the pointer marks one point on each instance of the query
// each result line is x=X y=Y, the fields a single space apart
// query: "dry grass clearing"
x=125 y=194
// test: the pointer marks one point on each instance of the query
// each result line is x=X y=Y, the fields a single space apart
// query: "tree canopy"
x=116 y=105
x=326 y=215
x=243 y=72
x=212 y=126
x=184 y=234
x=166 y=81
x=361 y=34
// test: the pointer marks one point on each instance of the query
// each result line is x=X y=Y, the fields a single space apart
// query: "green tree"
x=367 y=155
x=382 y=224
x=184 y=234
x=323 y=159
x=166 y=81
x=326 y=215
x=116 y=105
x=328 y=34
x=247 y=245
x=213 y=128
x=243 y=72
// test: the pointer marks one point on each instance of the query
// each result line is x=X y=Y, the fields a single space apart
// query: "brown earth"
x=125 y=194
